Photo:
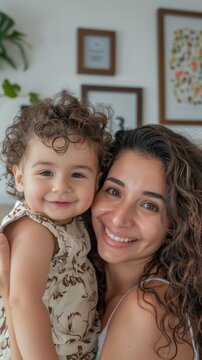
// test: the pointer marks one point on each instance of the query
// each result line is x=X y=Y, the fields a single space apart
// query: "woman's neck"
x=121 y=277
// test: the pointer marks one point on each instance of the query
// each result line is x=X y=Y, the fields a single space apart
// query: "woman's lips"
x=117 y=241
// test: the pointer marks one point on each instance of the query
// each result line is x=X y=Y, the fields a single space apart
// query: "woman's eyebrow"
x=116 y=181
x=153 y=194
x=148 y=193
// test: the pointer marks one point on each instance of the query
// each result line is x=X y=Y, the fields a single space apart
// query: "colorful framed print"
x=180 y=67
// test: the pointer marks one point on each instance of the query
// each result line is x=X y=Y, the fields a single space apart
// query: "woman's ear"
x=18 y=175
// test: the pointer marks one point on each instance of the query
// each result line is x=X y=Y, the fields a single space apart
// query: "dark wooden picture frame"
x=180 y=79
x=126 y=103
x=96 y=51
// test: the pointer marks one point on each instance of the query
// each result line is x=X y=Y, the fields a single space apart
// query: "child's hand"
x=4 y=266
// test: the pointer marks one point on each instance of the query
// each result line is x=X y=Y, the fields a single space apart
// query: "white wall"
x=51 y=26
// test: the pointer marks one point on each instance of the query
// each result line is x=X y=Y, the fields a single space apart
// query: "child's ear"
x=18 y=175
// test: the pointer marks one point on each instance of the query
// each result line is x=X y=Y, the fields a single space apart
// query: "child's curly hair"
x=53 y=118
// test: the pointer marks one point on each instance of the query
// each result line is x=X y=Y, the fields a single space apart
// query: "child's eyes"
x=78 y=175
x=46 y=173
x=151 y=206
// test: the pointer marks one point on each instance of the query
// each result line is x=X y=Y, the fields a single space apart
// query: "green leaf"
x=21 y=49
x=33 y=98
x=10 y=90
x=7 y=34
x=6 y=23
x=4 y=56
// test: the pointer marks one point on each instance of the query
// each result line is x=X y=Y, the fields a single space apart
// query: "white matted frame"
x=96 y=51
x=180 y=67
x=126 y=103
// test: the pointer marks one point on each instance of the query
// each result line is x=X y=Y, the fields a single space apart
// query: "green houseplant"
x=9 y=35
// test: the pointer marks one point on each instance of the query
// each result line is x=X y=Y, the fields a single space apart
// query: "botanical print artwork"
x=185 y=64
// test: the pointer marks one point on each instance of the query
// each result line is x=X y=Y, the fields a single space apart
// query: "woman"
x=147 y=221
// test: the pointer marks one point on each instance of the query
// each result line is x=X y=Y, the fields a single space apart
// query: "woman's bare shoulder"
x=142 y=305
x=133 y=331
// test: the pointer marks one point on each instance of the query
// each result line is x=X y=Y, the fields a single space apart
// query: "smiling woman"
x=147 y=216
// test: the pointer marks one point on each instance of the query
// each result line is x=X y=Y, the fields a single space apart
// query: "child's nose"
x=61 y=186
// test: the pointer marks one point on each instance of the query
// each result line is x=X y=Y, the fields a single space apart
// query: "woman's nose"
x=122 y=215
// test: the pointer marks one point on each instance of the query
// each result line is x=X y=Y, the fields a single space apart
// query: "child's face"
x=58 y=186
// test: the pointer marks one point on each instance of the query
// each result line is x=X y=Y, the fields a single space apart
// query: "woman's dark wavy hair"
x=180 y=256
x=53 y=118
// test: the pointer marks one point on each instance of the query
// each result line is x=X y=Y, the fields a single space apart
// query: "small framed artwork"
x=96 y=51
x=125 y=102
x=180 y=67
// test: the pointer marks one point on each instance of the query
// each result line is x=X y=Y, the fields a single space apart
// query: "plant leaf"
x=16 y=35
x=33 y=98
x=5 y=57
x=13 y=36
x=6 y=23
x=10 y=90
x=23 y=55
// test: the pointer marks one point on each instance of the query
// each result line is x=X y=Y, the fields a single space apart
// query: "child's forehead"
x=57 y=147
x=63 y=142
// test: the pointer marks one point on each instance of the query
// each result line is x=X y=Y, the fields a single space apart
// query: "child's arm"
x=4 y=291
x=32 y=247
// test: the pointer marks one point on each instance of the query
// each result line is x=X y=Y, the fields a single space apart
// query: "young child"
x=53 y=153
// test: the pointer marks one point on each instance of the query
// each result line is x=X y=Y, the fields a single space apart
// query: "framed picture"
x=180 y=67
x=125 y=102
x=96 y=51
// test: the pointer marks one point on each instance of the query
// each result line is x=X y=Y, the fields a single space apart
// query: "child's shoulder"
x=20 y=223
x=27 y=230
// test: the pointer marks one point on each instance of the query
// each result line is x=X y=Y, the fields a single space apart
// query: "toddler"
x=53 y=153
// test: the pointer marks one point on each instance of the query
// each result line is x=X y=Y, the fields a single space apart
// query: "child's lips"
x=60 y=203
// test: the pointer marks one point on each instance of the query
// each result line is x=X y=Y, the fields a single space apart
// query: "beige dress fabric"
x=71 y=292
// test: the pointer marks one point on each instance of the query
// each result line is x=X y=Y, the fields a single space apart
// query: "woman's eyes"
x=146 y=205
x=112 y=191
x=150 y=206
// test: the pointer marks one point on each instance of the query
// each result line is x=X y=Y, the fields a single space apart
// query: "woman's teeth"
x=117 y=238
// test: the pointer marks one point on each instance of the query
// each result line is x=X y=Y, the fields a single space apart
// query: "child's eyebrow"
x=44 y=163
x=75 y=166
x=82 y=167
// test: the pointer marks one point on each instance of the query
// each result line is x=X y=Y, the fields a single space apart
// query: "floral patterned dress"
x=71 y=291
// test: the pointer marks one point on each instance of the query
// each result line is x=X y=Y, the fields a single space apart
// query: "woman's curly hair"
x=180 y=256
x=53 y=118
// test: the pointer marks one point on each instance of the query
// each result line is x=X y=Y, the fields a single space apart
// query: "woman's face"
x=129 y=214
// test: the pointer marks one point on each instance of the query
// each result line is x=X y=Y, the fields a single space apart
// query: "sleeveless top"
x=103 y=334
x=71 y=291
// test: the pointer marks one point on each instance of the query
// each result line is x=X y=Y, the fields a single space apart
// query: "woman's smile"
x=118 y=238
x=129 y=214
